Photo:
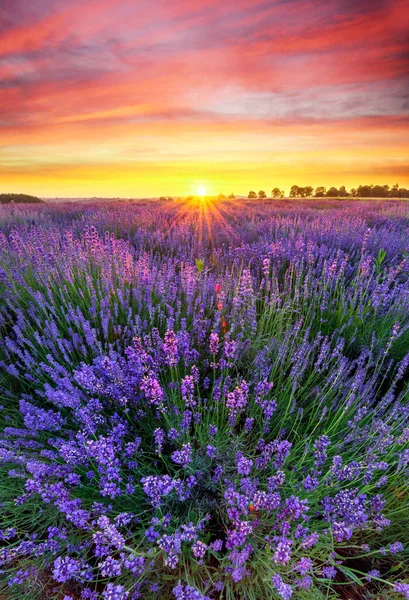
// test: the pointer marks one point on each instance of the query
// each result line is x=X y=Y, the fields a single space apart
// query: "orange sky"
x=136 y=98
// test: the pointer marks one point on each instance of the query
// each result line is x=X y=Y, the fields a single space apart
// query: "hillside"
x=19 y=198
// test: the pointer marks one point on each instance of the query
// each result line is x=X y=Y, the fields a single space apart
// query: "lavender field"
x=204 y=400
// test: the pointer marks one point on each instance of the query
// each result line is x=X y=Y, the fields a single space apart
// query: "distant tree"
x=262 y=194
x=19 y=198
x=394 y=192
x=277 y=193
x=308 y=190
x=380 y=191
x=221 y=197
x=189 y=198
x=295 y=192
x=252 y=195
x=364 y=191
x=320 y=192
x=343 y=192
x=353 y=193
x=231 y=196
x=332 y=192
x=162 y=198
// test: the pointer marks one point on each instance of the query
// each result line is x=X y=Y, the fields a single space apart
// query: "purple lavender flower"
x=402 y=588
x=184 y=456
x=159 y=437
x=329 y=572
x=217 y=545
x=212 y=430
x=320 y=450
x=304 y=565
x=305 y=582
x=213 y=343
x=230 y=348
x=153 y=391
x=199 y=549
x=187 y=592
x=114 y=592
x=248 y=425
x=187 y=389
x=151 y=534
x=237 y=401
x=282 y=553
x=243 y=464
x=170 y=347
x=211 y=451
x=157 y=487
x=66 y=568
x=283 y=589
x=374 y=573
x=110 y=567
x=136 y=564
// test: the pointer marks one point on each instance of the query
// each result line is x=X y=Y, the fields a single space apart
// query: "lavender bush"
x=204 y=402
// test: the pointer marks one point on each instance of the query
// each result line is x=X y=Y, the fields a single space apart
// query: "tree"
x=332 y=192
x=308 y=190
x=380 y=191
x=343 y=191
x=394 y=193
x=231 y=196
x=320 y=192
x=295 y=192
x=221 y=197
x=364 y=191
x=277 y=193
x=262 y=194
x=252 y=195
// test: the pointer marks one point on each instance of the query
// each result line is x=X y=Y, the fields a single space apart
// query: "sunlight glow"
x=201 y=190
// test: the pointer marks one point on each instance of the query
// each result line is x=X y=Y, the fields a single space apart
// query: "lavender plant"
x=212 y=409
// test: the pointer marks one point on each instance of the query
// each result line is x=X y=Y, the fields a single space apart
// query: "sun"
x=201 y=190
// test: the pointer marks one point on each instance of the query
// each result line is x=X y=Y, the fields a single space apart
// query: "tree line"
x=362 y=191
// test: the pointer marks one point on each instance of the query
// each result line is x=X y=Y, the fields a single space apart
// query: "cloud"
x=155 y=73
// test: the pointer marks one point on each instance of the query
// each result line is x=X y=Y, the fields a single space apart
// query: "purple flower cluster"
x=184 y=456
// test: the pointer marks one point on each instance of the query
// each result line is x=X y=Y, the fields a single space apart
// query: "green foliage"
x=199 y=264
x=380 y=260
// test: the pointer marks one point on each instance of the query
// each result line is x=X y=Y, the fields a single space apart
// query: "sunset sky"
x=150 y=97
